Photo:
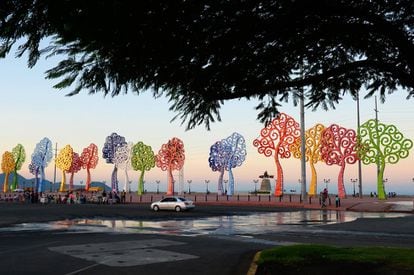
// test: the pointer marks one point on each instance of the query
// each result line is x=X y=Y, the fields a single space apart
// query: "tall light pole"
x=129 y=186
x=302 y=146
x=207 y=181
x=158 y=186
x=54 y=171
x=359 y=160
x=189 y=186
x=81 y=182
x=353 y=182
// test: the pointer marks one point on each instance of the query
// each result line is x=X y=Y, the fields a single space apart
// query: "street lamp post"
x=207 y=181
x=158 y=186
x=81 y=182
x=189 y=186
x=326 y=181
x=353 y=182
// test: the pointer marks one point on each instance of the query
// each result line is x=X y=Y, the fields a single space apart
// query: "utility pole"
x=378 y=139
x=54 y=172
x=302 y=147
x=359 y=137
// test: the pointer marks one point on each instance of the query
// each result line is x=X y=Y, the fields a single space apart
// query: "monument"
x=265 y=186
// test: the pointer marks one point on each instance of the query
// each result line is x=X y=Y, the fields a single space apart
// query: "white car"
x=173 y=203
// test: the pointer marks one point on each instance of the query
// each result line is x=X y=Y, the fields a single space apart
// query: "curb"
x=253 y=266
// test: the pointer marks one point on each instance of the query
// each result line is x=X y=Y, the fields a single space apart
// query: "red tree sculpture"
x=74 y=168
x=339 y=147
x=276 y=139
x=89 y=161
x=171 y=157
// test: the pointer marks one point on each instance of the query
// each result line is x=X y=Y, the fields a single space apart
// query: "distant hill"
x=25 y=183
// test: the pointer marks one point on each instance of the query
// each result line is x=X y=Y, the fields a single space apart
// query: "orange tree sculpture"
x=171 y=157
x=275 y=139
x=339 y=147
x=19 y=155
x=89 y=159
x=7 y=166
x=382 y=144
x=75 y=167
x=63 y=162
x=143 y=159
x=313 y=141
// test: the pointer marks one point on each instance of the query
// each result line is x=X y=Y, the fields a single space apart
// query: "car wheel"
x=156 y=208
x=177 y=208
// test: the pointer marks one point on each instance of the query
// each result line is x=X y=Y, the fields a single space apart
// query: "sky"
x=32 y=109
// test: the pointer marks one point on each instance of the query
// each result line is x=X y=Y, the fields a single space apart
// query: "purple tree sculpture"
x=112 y=142
x=41 y=157
x=218 y=161
x=237 y=155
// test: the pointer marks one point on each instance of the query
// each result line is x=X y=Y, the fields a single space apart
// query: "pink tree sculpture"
x=171 y=157
x=275 y=139
x=89 y=159
x=339 y=146
x=74 y=168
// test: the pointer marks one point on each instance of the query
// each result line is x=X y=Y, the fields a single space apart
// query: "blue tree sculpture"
x=112 y=142
x=218 y=161
x=41 y=157
x=237 y=155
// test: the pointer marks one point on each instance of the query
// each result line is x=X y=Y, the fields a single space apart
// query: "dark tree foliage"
x=201 y=53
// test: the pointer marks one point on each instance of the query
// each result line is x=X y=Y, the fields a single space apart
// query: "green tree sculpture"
x=381 y=144
x=19 y=155
x=143 y=159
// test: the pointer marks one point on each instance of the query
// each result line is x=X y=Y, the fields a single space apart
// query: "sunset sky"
x=31 y=109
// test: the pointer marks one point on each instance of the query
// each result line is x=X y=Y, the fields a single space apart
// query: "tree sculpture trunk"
x=6 y=183
x=314 y=180
x=279 y=173
x=114 y=179
x=230 y=192
x=220 y=182
x=341 y=186
x=170 y=189
x=72 y=175
x=63 y=183
x=141 y=183
x=42 y=179
x=14 y=183
x=380 y=182
x=88 y=179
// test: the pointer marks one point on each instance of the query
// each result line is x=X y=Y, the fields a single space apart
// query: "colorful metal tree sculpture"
x=7 y=166
x=237 y=146
x=339 y=146
x=64 y=162
x=218 y=161
x=112 y=142
x=143 y=159
x=122 y=160
x=381 y=144
x=75 y=167
x=34 y=168
x=171 y=157
x=313 y=141
x=89 y=159
x=19 y=155
x=276 y=139
x=41 y=157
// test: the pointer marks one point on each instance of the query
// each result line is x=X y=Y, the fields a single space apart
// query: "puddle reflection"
x=257 y=223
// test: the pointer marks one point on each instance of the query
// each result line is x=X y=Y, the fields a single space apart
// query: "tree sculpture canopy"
x=143 y=159
x=171 y=157
x=200 y=53
x=89 y=159
x=382 y=144
x=7 y=166
x=275 y=139
x=41 y=157
x=112 y=142
x=218 y=161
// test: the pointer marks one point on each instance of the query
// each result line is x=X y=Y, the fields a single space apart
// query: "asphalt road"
x=63 y=252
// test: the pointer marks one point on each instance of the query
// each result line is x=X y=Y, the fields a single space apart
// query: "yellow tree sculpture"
x=64 y=162
x=7 y=166
x=313 y=139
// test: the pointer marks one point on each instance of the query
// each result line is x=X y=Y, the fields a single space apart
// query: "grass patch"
x=322 y=259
